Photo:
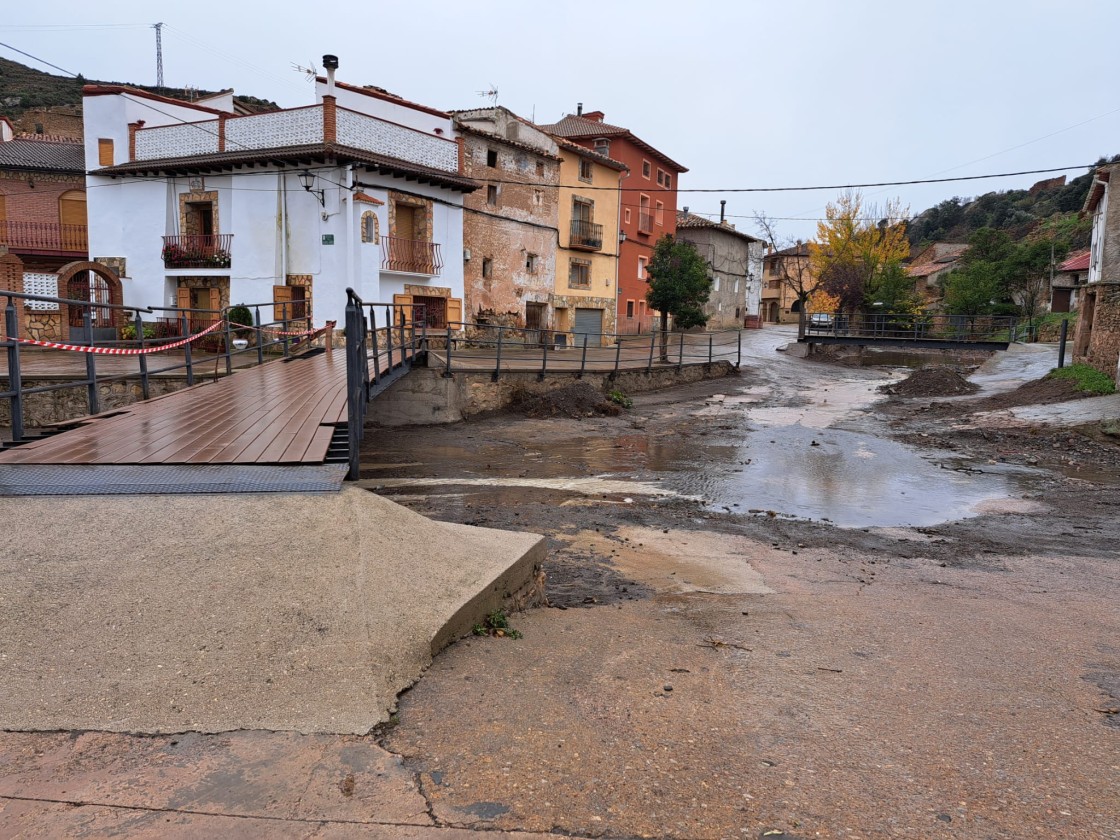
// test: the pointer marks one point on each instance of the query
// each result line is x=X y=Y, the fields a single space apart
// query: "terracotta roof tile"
x=574 y=126
x=1076 y=262
x=692 y=221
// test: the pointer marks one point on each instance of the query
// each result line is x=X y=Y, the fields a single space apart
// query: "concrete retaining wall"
x=426 y=397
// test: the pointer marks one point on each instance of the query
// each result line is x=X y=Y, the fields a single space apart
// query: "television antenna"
x=311 y=71
x=491 y=94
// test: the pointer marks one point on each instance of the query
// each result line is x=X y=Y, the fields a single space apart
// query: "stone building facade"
x=1097 y=340
x=734 y=266
x=782 y=271
x=510 y=224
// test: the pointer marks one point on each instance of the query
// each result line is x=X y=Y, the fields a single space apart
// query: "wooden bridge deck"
x=283 y=412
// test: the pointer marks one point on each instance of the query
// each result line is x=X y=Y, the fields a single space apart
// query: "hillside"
x=1050 y=205
x=24 y=89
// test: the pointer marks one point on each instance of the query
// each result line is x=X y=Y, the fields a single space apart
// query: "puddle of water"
x=585 y=486
x=850 y=479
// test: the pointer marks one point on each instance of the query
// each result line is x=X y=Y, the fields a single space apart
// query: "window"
x=641 y=309
x=370 y=227
x=104 y=152
x=645 y=218
x=492 y=195
x=668 y=181
x=774 y=268
x=540 y=168
x=585 y=170
x=659 y=214
x=660 y=177
x=626 y=215
x=715 y=283
x=737 y=313
x=531 y=263
x=487 y=268
x=579 y=274
x=538 y=198
x=645 y=169
x=629 y=309
x=603 y=146
x=491 y=157
x=642 y=261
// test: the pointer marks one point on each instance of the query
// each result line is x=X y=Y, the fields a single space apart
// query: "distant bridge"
x=943 y=332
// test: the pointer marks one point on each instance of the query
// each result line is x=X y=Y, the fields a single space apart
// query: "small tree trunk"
x=664 y=337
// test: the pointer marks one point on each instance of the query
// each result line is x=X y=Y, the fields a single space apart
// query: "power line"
x=41 y=61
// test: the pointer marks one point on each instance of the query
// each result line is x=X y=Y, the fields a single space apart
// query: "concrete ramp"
x=307 y=613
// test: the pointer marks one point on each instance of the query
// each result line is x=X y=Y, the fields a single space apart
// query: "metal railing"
x=376 y=356
x=44 y=236
x=586 y=235
x=910 y=327
x=413 y=256
x=197 y=251
x=135 y=332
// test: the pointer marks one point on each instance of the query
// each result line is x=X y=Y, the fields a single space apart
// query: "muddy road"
x=781 y=602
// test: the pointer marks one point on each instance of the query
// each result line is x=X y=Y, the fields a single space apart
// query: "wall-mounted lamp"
x=307 y=181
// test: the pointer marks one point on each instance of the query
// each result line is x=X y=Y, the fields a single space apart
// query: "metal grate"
x=84 y=480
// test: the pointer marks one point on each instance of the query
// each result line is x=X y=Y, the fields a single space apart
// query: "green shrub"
x=1088 y=379
x=619 y=398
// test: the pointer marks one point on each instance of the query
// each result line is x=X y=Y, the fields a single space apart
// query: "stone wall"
x=426 y=397
x=49 y=407
x=1102 y=345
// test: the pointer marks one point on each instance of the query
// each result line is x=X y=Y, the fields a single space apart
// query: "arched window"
x=72 y=207
x=371 y=227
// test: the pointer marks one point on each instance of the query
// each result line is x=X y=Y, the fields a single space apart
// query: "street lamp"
x=307 y=181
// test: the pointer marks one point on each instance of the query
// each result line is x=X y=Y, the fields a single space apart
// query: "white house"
x=196 y=206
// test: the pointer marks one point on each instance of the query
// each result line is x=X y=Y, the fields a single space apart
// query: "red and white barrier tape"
x=118 y=351
x=324 y=328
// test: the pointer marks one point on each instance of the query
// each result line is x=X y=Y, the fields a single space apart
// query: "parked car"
x=820 y=321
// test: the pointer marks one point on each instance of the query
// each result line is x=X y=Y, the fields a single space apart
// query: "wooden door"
x=402 y=305
x=455 y=313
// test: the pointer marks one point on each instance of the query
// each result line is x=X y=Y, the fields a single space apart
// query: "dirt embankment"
x=931 y=382
x=575 y=401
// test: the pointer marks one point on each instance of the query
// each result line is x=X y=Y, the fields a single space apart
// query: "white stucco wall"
x=400 y=113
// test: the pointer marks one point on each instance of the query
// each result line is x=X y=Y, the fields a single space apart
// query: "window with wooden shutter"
x=455 y=313
x=3 y=209
x=105 y=152
x=72 y=208
x=281 y=303
x=402 y=304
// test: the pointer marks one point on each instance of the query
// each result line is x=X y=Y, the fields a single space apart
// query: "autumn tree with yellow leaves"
x=858 y=255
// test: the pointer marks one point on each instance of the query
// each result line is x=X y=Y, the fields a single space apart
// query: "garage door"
x=590 y=322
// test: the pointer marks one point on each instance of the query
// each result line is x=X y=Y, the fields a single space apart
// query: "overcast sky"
x=745 y=94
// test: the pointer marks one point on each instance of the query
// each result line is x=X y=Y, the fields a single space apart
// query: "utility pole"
x=158 y=27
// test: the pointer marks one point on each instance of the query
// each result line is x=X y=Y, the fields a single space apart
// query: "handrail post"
x=389 y=336
x=374 y=343
x=617 y=357
x=498 y=362
x=354 y=404
x=1062 y=342
x=185 y=327
x=404 y=342
x=91 y=365
x=144 y=384
x=447 y=370
x=229 y=349
x=711 y=337
x=257 y=328
x=15 y=383
x=652 y=346
x=284 y=329
x=739 y=350
x=583 y=359
x=544 y=362
x=680 y=355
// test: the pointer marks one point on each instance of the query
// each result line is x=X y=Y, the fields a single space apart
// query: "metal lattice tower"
x=158 y=27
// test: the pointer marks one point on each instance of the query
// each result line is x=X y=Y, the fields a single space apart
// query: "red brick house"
x=42 y=199
x=649 y=204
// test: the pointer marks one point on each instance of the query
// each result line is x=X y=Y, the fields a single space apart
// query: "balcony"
x=45 y=238
x=586 y=236
x=645 y=222
x=410 y=256
x=197 y=251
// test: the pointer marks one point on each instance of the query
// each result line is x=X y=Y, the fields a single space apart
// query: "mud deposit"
x=938 y=660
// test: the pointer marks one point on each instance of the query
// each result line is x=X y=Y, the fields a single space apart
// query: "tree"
x=822 y=301
x=796 y=272
x=678 y=285
x=853 y=256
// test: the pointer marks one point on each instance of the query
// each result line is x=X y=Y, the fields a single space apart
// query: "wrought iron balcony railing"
x=44 y=236
x=197 y=251
x=412 y=256
x=587 y=236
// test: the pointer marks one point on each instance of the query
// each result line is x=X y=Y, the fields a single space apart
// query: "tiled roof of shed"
x=42 y=155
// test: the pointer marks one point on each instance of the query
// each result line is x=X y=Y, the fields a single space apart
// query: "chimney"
x=579 y=109
x=330 y=63
x=594 y=116
x=722 y=209
x=686 y=209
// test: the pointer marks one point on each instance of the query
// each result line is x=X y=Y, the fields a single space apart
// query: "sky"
x=746 y=94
